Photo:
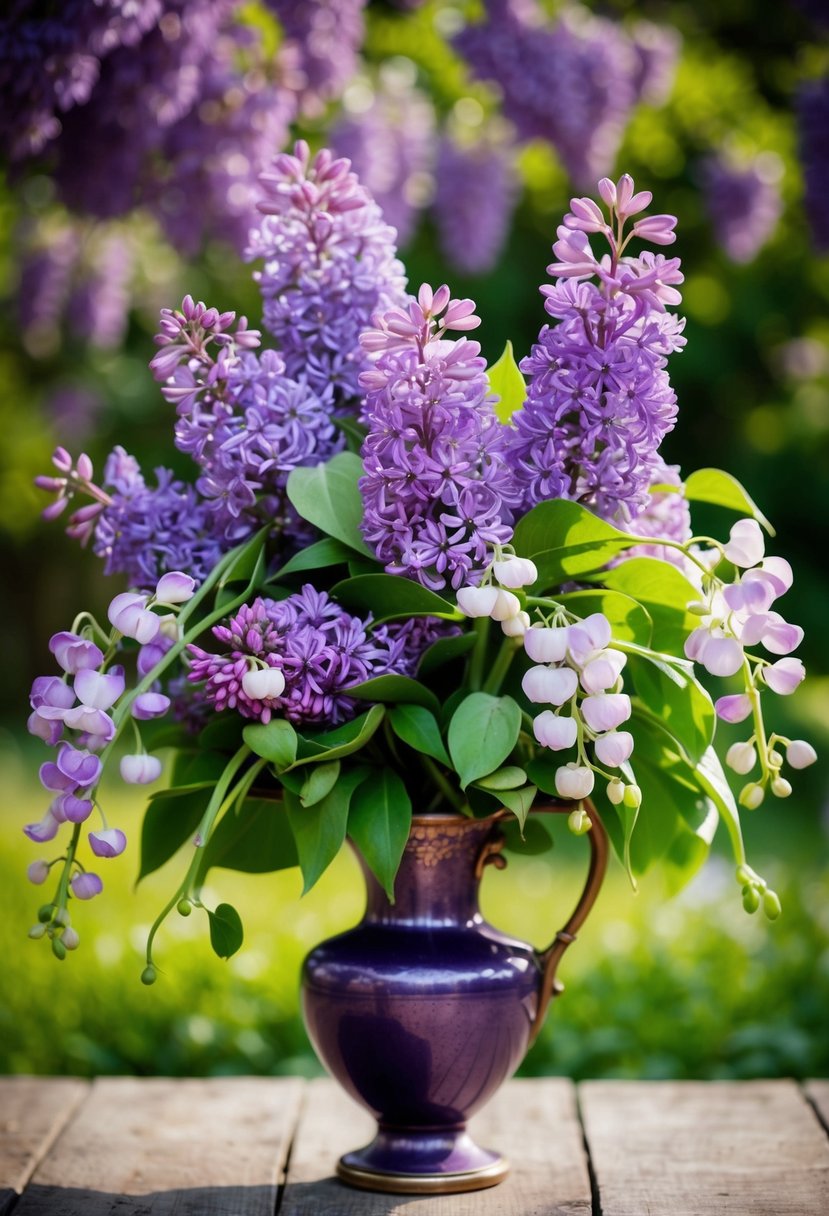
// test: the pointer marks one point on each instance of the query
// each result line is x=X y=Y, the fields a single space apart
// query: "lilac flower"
x=437 y=490
x=175 y=588
x=324 y=37
x=99 y=307
x=130 y=615
x=476 y=193
x=666 y=514
x=319 y=649
x=599 y=399
x=388 y=136
x=329 y=264
x=743 y=201
x=813 y=131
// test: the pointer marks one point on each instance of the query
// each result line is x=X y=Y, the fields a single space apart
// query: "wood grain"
x=705 y=1148
x=156 y=1147
x=534 y=1123
x=33 y=1110
x=818 y=1094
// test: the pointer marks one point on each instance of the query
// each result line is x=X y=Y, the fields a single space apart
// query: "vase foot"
x=422 y=1163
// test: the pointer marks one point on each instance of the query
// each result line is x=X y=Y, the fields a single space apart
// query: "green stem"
x=501 y=665
x=443 y=785
x=478 y=657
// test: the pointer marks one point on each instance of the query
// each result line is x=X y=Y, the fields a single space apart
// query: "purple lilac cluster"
x=79 y=713
x=743 y=202
x=573 y=83
x=388 y=136
x=599 y=400
x=329 y=264
x=476 y=192
x=322 y=41
x=170 y=104
x=666 y=514
x=657 y=49
x=437 y=489
x=813 y=125
x=320 y=650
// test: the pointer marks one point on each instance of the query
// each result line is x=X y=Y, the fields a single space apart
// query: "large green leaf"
x=506 y=380
x=664 y=591
x=325 y=552
x=482 y=733
x=673 y=695
x=319 y=830
x=327 y=496
x=509 y=778
x=565 y=540
x=443 y=651
x=346 y=739
x=419 y=728
x=395 y=690
x=629 y=621
x=170 y=820
x=319 y=782
x=387 y=596
x=255 y=839
x=379 y=820
x=194 y=767
x=275 y=741
x=720 y=488
x=226 y=932
x=223 y=733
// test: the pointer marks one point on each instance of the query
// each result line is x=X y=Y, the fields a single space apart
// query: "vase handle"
x=551 y=957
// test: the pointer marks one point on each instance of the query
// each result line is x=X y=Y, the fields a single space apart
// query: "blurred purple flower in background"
x=323 y=40
x=743 y=201
x=477 y=188
x=813 y=122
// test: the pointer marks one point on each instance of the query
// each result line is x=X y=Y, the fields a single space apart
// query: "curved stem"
x=478 y=658
x=501 y=666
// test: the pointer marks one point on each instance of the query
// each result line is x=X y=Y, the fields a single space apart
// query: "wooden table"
x=257 y=1146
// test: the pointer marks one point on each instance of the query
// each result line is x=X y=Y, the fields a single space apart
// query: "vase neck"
x=437 y=883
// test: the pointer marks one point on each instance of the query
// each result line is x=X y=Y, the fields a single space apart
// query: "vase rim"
x=456 y=817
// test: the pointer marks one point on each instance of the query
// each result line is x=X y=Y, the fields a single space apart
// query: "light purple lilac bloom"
x=743 y=202
x=665 y=514
x=329 y=264
x=599 y=400
x=475 y=195
x=323 y=37
x=437 y=489
x=390 y=143
x=321 y=650
x=99 y=306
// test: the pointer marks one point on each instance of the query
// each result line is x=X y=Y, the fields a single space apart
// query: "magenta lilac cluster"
x=329 y=263
x=437 y=489
x=599 y=399
x=317 y=650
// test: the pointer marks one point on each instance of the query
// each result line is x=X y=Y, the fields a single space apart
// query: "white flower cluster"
x=499 y=601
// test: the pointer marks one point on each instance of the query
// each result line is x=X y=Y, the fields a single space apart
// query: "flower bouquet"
x=403 y=584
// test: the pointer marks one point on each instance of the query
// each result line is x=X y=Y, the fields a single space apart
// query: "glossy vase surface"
x=424 y=1009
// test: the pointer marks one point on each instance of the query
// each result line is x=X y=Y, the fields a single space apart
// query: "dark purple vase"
x=424 y=1009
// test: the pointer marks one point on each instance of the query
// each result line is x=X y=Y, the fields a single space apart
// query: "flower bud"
x=75 y=653
x=140 y=769
x=614 y=748
x=515 y=572
x=605 y=711
x=784 y=676
x=37 y=931
x=744 y=875
x=149 y=705
x=602 y=672
x=516 y=626
x=263 y=683
x=175 y=588
x=751 y=796
x=633 y=797
x=800 y=754
x=86 y=885
x=741 y=758
x=574 y=781
x=775 y=759
x=45 y=913
x=58 y=948
x=780 y=787
x=615 y=792
x=110 y=842
x=129 y=614
x=477 y=601
x=38 y=872
x=70 y=938
x=771 y=904
x=751 y=898
x=546 y=645
x=557 y=733
x=149 y=975
x=184 y=907
x=549 y=685
x=579 y=822
x=734 y=708
x=506 y=606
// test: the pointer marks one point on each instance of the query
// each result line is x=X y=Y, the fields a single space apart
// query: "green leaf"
x=387 y=596
x=226 y=932
x=275 y=741
x=506 y=380
x=482 y=733
x=419 y=728
x=629 y=621
x=379 y=821
x=720 y=488
x=223 y=733
x=444 y=651
x=535 y=839
x=319 y=830
x=354 y=431
x=328 y=497
x=320 y=781
x=509 y=778
x=196 y=767
x=674 y=696
x=542 y=772
x=709 y=773
x=566 y=540
x=248 y=566
x=395 y=690
x=256 y=839
x=335 y=744
x=169 y=820
x=664 y=591
x=325 y=552
x=519 y=801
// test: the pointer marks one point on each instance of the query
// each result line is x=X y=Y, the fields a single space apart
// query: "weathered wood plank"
x=159 y=1146
x=533 y=1122
x=818 y=1093
x=33 y=1110
x=705 y=1148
